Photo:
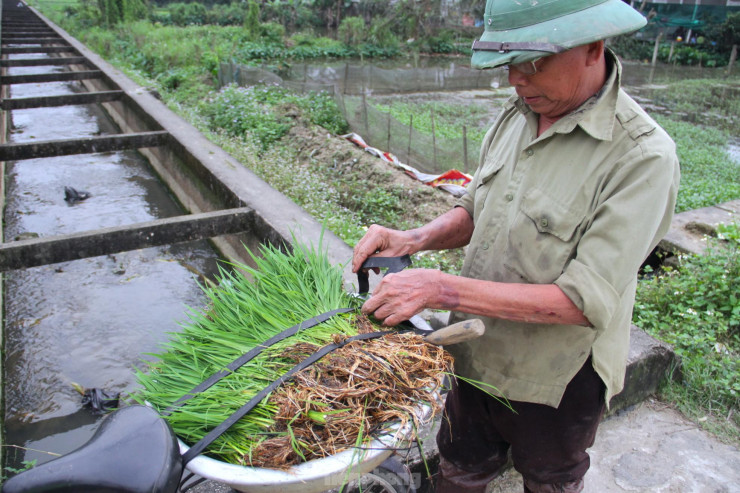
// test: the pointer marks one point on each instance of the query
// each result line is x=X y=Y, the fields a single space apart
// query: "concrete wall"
x=3 y=140
x=203 y=176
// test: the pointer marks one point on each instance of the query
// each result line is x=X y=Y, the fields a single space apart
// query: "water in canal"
x=88 y=321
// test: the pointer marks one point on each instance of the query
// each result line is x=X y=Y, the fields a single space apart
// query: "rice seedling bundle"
x=337 y=403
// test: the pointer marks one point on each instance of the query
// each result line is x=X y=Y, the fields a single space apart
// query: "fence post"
x=346 y=74
x=411 y=128
x=388 y=147
x=655 y=49
x=364 y=116
x=733 y=58
x=434 y=142
x=465 y=148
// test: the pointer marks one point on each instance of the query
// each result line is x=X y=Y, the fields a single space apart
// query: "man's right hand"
x=382 y=242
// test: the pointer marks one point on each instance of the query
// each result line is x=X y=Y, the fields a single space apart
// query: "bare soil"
x=356 y=171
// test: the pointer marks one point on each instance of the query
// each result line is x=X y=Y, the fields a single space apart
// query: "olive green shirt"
x=581 y=206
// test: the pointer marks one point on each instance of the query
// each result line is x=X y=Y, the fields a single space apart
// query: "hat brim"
x=602 y=21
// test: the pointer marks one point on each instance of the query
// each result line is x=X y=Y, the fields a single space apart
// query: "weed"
x=696 y=308
x=448 y=118
x=253 y=110
x=26 y=465
x=708 y=174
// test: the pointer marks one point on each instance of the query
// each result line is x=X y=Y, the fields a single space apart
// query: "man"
x=575 y=187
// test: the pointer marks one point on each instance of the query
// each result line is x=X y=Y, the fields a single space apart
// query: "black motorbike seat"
x=134 y=450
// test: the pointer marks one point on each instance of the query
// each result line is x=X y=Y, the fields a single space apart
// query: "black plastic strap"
x=479 y=45
x=199 y=447
x=248 y=356
x=393 y=264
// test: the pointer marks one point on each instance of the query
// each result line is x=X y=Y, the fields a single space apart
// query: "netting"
x=351 y=85
x=428 y=153
x=370 y=79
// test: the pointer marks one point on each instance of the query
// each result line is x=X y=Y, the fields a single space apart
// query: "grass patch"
x=700 y=99
x=709 y=176
x=310 y=190
x=264 y=112
x=447 y=120
x=695 y=307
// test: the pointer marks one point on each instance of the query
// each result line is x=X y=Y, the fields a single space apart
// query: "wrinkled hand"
x=402 y=295
x=382 y=241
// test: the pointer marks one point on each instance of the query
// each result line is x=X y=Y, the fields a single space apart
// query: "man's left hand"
x=402 y=295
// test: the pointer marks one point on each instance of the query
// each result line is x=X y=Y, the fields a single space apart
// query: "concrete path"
x=648 y=448
x=651 y=448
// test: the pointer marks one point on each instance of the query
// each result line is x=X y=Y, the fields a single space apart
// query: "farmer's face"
x=561 y=84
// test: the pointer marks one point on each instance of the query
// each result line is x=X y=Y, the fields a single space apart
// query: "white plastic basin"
x=314 y=476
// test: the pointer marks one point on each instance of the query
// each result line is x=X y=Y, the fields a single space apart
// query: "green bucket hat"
x=518 y=31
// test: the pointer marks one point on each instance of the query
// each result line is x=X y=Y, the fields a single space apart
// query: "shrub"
x=272 y=32
x=232 y=14
x=252 y=20
x=251 y=111
x=186 y=14
x=696 y=308
x=382 y=36
x=352 y=31
x=242 y=111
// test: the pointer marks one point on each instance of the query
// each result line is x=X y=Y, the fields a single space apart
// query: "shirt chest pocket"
x=490 y=169
x=543 y=237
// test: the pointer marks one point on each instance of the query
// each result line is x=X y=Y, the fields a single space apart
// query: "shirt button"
x=509 y=197
x=543 y=222
x=530 y=152
x=485 y=246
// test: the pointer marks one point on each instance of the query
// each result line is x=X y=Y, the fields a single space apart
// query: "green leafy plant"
x=696 y=308
x=352 y=31
x=255 y=111
x=252 y=20
x=239 y=111
x=26 y=465
x=708 y=175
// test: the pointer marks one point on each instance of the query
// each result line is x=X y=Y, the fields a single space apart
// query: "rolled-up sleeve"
x=633 y=215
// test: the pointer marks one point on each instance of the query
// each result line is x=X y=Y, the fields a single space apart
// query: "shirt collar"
x=596 y=115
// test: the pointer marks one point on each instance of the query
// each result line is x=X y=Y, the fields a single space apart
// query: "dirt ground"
x=353 y=167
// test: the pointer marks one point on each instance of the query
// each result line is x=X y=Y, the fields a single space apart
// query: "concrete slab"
x=649 y=362
x=651 y=448
x=689 y=229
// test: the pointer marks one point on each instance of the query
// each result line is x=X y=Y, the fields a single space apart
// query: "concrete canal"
x=86 y=321
x=93 y=285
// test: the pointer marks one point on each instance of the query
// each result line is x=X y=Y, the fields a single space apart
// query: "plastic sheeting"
x=452 y=181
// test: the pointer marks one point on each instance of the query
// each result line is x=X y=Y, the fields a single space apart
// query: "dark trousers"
x=548 y=445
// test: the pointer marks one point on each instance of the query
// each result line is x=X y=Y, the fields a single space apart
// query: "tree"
x=252 y=20
x=113 y=12
x=352 y=31
x=730 y=30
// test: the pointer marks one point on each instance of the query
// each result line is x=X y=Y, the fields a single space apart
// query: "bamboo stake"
x=465 y=148
x=411 y=128
x=733 y=58
x=388 y=147
x=364 y=113
x=434 y=142
x=655 y=49
x=346 y=75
